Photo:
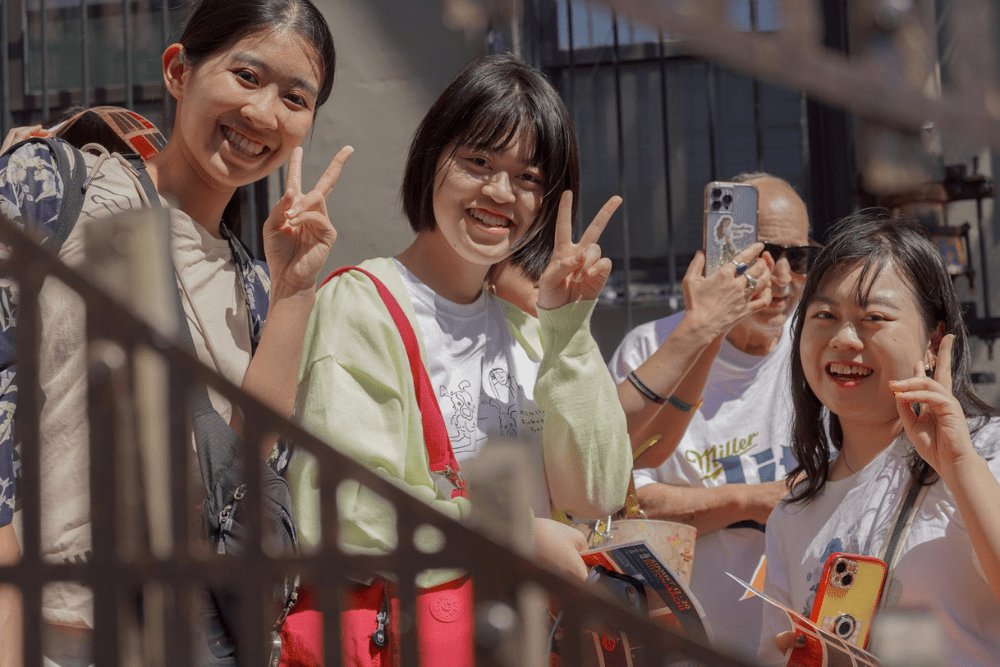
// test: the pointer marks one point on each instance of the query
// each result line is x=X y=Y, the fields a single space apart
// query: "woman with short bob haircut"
x=881 y=353
x=492 y=173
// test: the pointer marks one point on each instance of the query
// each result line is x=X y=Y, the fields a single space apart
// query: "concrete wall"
x=393 y=59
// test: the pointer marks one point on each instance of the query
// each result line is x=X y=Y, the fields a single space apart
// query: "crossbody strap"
x=439 y=452
x=901 y=527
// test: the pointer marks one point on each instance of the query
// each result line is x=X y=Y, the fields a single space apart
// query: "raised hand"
x=576 y=272
x=724 y=298
x=298 y=234
x=940 y=431
x=19 y=134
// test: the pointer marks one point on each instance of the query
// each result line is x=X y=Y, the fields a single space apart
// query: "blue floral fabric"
x=30 y=195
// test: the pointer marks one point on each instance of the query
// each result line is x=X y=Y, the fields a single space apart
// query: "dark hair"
x=214 y=25
x=490 y=102
x=872 y=240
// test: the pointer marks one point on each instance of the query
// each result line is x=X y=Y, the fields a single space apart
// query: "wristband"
x=681 y=405
x=644 y=390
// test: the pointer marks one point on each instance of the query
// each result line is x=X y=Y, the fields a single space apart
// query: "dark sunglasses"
x=800 y=258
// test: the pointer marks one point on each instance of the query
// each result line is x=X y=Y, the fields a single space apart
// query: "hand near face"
x=724 y=298
x=298 y=234
x=19 y=134
x=940 y=432
x=576 y=272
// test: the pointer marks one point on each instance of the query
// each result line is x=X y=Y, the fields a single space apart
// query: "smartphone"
x=730 y=222
x=848 y=595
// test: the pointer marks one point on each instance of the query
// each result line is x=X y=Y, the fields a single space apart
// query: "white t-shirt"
x=483 y=379
x=741 y=434
x=935 y=569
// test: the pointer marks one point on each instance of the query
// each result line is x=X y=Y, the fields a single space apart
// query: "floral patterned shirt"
x=31 y=191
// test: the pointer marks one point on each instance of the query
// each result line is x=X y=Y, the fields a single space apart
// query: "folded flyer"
x=671 y=602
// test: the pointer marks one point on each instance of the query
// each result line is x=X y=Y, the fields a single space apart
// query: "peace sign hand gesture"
x=938 y=428
x=298 y=233
x=576 y=272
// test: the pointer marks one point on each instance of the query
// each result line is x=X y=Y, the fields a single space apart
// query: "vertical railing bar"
x=127 y=47
x=5 y=115
x=710 y=102
x=103 y=444
x=665 y=119
x=623 y=212
x=758 y=114
x=178 y=651
x=84 y=54
x=45 y=58
x=25 y=38
x=252 y=560
x=590 y=23
x=571 y=52
x=804 y=147
x=27 y=424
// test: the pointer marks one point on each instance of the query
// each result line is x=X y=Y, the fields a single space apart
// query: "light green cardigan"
x=356 y=392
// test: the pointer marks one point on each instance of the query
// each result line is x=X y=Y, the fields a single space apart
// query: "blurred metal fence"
x=144 y=538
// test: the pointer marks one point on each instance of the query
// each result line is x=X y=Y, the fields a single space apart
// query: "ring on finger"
x=751 y=282
x=741 y=267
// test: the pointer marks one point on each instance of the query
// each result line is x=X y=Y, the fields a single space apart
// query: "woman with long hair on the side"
x=247 y=77
x=881 y=353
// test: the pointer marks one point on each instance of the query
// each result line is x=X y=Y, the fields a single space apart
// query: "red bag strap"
x=439 y=451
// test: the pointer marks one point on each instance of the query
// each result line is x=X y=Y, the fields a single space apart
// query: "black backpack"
x=219 y=446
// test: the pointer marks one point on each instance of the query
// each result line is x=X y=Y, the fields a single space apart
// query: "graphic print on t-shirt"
x=462 y=425
x=729 y=459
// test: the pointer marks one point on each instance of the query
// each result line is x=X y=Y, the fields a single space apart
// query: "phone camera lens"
x=716 y=205
x=727 y=199
x=847 y=579
x=716 y=192
x=841 y=567
x=843 y=626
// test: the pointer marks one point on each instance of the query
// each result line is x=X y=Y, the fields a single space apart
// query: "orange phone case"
x=848 y=595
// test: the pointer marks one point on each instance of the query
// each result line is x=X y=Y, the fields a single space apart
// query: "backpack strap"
x=440 y=455
x=139 y=167
x=72 y=170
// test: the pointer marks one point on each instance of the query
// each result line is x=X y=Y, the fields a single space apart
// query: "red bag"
x=444 y=627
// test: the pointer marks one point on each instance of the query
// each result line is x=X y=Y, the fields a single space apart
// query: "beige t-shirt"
x=213 y=283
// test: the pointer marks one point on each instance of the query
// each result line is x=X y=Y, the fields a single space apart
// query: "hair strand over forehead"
x=491 y=103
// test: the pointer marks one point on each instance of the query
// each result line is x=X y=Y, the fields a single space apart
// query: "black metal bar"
x=25 y=38
x=5 y=115
x=710 y=104
x=84 y=54
x=623 y=209
x=178 y=624
x=668 y=195
x=27 y=424
x=758 y=133
x=127 y=48
x=45 y=58
x=571 y=78
x=103 y=386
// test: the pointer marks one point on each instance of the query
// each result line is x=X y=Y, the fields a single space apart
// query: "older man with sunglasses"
x=707 y=396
